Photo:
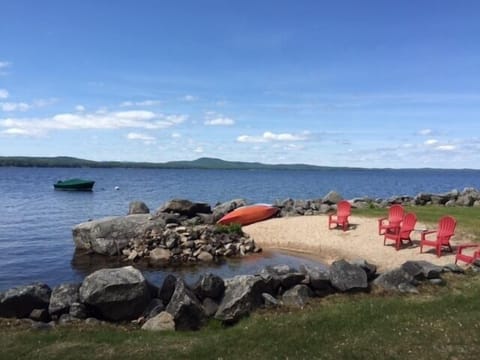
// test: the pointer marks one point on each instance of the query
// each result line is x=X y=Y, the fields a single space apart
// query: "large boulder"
x=209 y=285
x=167 y=289
x=284 y=276
x=22 y=300
x=347 y=277
x=243 y=293
x=138 y=207
x=184 y=207
x=297 y=296
x=332 y=197
x=397 y=280
x=63 y=296
x=318 y=278
x=222 y=209
x=116 y=294
x=422 y=269
x=186 y=309
x=159 y=257
x=108 y=236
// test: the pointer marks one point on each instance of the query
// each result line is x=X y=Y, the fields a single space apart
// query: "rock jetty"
x=123 y=294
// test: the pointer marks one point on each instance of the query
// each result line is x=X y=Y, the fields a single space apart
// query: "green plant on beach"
x=231 y=229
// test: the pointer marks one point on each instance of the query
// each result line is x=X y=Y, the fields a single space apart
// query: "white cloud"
x=221 y=121
x=97 y=120
x=269 y=136
x=190 y=98
x=80 y=108
x=198 y=150
x=446 y=147
x=21 y=132
x=3 y=94
x=425 y=132
x=140 y=103
x=147 y=139
x=4 y=65
x=431 y=142
x=12 y=106
x=176 y=135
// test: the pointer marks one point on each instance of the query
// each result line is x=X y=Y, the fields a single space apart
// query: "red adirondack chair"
x=340 y=219
x=402 y=233
x=468 y=258
x=445 y=230
x=395 y=217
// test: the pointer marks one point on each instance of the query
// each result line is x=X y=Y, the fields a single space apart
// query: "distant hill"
x=201 y=163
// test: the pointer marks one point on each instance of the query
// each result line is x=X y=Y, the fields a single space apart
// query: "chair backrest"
x=446 y=228
x=408 y=223
x=395 y=213
x=344 y=208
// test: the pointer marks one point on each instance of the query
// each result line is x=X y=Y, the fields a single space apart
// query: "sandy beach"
x=310 y=235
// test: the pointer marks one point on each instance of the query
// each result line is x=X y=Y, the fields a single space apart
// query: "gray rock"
x=224 y=208
x=243 y=294
x=454 y=268
x=38 y=325
x=22 y=300
x=270 y=301
x=396 y=280
x=167 y=289
x=155 y=307
x=184 y=207
x=66 y=319
x=159 y=257
x=185 y=308
x=162 y=322
x=209 y=306
x=209 y=285
x=138 y=207
x=281 y=275
x=332 y=198
x=108 y=236
x=370 y=269
x=205 y=256
x=40 y=315
x=116 y=294
x=437 y=281
x=62 y=297
x=78 y=310
x=347 y=277
x=421 y=269
x=319 y=278
x=297 y=296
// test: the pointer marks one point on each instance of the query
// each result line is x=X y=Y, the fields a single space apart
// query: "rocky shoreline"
x=122 y=295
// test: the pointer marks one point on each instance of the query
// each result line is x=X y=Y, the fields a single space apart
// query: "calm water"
x=36 y=221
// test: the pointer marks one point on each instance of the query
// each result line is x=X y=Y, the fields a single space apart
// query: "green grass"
x=468 y=218
x=441 y=323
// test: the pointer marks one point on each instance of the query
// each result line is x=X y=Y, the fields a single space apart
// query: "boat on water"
x=249 y=214
x=74 y=184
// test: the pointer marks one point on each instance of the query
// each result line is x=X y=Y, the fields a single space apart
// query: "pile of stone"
x=181 y=244
x=291 y=207
x=123 y=294
x=179 y=231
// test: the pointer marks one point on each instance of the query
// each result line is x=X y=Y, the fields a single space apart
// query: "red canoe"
x=248 y=214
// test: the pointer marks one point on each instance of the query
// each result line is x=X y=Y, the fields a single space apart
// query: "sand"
x=310 y=235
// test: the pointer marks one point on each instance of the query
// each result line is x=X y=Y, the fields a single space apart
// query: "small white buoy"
x=117 y=188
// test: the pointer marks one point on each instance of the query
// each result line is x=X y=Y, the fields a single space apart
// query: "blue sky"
x=337 y=83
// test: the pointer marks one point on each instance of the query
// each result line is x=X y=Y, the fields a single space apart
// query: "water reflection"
x=84 y=263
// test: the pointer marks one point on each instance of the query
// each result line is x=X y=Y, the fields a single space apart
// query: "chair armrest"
x=466 y=246
x=426 y=232
x=381 y=220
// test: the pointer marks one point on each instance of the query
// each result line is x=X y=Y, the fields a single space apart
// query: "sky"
x=337 y=83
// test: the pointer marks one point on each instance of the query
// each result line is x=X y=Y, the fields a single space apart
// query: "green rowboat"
x=74 y=184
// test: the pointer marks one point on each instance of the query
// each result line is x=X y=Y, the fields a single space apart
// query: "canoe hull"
x=74 y=185
x=246 y=215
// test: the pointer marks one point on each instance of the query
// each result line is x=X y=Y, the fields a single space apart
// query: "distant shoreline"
x=200 y=164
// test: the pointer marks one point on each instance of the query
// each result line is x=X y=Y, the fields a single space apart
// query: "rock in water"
x=22 y=300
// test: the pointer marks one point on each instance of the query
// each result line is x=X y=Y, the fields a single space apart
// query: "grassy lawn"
x=440 y=323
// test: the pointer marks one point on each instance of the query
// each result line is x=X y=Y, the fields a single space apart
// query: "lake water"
x=36 y=221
